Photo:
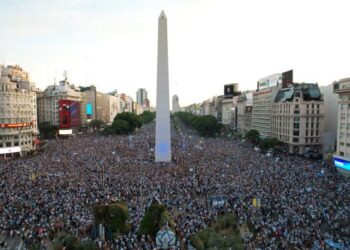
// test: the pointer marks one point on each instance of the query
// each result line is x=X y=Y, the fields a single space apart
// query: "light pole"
x=102 y=175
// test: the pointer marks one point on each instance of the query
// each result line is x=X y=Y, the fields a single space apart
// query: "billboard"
x=89 y=110
x=64 y=113
x=16 y=125
x=269 y=81
x=10 y=150
x=74 y=113
x=287 y=78
x=342 y=164
x=230 y=90
x=65 y=132
x=69 y=113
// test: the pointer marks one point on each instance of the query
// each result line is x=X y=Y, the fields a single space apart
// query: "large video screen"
x=287 y=78
x=340 y=163
x=64 y=113
x=69 y=113
x=89 y=110
x=74 y=111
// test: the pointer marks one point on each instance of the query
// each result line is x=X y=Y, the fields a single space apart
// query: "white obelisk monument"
x=163 y=144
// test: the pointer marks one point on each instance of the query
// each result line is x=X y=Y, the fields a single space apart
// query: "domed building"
x=18 y=125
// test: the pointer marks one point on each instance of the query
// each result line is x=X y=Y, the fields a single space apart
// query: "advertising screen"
x=69 y=114
x=10 y=150
x=74 y=112
x=64 y=113
x=65 y=131
x=89 y=110
x=269 y=81
x=340 y=163
x=228 y=90
x=287 y=78
x=16 y=125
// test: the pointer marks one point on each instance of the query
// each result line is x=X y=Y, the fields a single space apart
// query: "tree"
x=96 y=124
x=224 y=234
x=205 y=125
x=154 y=219
x=120 y=126
x=67 y=241
x=114 y=216
x=147 y=116
x=133 y=120
x=47 y=130
x=253 y=136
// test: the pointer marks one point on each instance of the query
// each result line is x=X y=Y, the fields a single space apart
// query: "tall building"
x=244 y=112
x=228 y=112
x=297 y=119
x=141 y=96
x=147 y=104
x=62 y=105
x=128 y=103
x=342 y=156
x=330 y=115
x=227 y=105
x=176 y=104
x=263 y=98
x=208 y=107
x=18 y=116
x=262 y=103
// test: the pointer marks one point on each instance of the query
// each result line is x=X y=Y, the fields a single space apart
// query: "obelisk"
x=163 y=144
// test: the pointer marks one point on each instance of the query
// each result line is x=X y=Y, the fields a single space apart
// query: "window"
x=341 y=153
x=295 y=139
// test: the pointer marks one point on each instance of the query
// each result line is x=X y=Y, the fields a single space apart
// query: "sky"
x=113 y=43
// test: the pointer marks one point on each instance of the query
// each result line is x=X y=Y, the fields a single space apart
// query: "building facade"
x=330 y=115
x=227 y=112
x=262 y=102
x=297 y=119
x=141 y=95
x=244 y=112
x=176 y=105
x=18 y=122
x=208 y=107
x=342 y=156
x=49 y=102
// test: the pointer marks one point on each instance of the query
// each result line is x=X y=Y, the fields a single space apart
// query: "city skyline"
x=212 y=43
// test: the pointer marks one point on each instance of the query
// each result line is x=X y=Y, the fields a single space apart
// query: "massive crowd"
x=303 y=203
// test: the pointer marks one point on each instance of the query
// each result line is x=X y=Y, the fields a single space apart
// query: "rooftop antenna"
x=3 y=59
x=65 y=75
x=85 y=70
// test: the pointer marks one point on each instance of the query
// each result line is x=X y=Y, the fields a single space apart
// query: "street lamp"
x=102 y=176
